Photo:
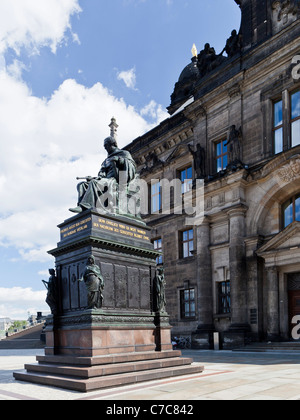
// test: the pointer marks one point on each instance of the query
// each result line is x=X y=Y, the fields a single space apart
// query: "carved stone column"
x=204 y=276
x=203 y=337
x=237 y=257
x=237 y=334
x=272 y=304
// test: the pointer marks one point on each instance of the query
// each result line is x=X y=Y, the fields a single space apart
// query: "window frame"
x=190 y=314
x=291 y=201
x=286 y=98
x=293 y=120
x=188 y=241
x=276 y=128
x=222 y=155
x=155 y=196
x=224 y=309
x=184 y=184
x=159 y=260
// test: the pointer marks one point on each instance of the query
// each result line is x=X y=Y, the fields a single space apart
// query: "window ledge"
x=188 y=319
x=222 y=316
x=186 y=260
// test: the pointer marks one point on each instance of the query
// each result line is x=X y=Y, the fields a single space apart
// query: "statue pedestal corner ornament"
x=109 y=326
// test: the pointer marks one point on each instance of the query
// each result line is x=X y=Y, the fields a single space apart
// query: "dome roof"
x=191 y=71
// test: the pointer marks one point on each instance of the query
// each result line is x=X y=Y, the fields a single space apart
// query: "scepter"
x=88 y=178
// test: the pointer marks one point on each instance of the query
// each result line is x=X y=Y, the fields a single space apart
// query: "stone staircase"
x=91 y=373
x=24 y=339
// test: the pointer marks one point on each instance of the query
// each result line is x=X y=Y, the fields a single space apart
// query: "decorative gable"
x=179 y=151
x=282 y=249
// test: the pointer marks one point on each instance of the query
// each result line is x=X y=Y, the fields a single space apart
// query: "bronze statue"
x=199 y=161
x=119 y=169
x=208 y=60
x=159 y=296
x=51 y=287
x=205 y=58
x=233 y=44
x=94 y=282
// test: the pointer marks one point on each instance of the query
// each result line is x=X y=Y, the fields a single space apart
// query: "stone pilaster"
x=237 y=257
x=272 y=304
x=203 y=337
x=236 y=336
x=204 y=275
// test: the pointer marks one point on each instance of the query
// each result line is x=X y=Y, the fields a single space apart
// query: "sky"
x=66 y=68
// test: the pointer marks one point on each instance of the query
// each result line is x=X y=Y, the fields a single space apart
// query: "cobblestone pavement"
x=227 y=376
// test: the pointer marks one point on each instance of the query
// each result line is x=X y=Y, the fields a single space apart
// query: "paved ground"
x=227 y=376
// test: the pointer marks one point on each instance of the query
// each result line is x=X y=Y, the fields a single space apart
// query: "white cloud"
x=154 y=111
x=128 y=77
x=35 y=23
x=16 y=302
x=46 y=143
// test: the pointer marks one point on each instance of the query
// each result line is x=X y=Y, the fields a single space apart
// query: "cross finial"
x=113 y=127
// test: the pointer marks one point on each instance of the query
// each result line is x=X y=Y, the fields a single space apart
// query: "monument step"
x=108 y=359
x=106 y=370
x=91 y=384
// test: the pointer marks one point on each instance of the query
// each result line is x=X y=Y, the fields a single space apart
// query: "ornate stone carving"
x=152 y=163
x=284 y=13
x=290 y=171
x=101 y=319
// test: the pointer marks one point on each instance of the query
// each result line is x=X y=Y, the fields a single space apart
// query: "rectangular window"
x=187 y=304
x=155 y=197
x=286 y=126
x=187 y=243
x=224 y=300
x=295 y=118
x=221 y=155
x=186 y=179
x=158 y=247
x=291 y=211
x=278 y=127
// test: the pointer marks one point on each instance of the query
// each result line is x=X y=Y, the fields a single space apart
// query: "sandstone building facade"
x=238 y=272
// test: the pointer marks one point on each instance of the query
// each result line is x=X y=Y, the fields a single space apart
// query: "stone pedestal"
x=126 y=324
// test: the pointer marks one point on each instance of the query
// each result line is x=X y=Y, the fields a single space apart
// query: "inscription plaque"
x=96 y=224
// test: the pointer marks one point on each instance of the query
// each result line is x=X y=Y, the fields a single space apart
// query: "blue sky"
x=67 y=67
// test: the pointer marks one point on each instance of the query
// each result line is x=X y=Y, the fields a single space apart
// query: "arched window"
x=291 y=211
